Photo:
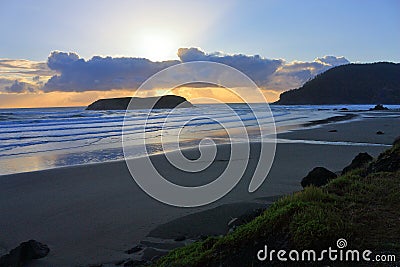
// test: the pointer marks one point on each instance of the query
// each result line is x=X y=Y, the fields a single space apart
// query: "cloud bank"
x=99 y=73
x=68 y=72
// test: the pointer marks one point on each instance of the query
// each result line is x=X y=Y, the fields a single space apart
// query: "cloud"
x=23 y=67
x=332 y=60
x=99 y=73
x=20 y=87
x=294 y=74
x=256 y=67
x=22 y=76
x=60 y=61
x=68 y=72
x=104 y=73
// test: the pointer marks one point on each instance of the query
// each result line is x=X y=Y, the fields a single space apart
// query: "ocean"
x=42 y=138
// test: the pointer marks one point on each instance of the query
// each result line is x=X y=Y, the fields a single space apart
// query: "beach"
x=91 y=214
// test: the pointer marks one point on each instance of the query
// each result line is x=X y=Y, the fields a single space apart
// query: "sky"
x=286 y=38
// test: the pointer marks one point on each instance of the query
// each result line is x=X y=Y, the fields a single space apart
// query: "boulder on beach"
x=122 y=103
x=361 y=160
x=24 y=253
x=319 y=176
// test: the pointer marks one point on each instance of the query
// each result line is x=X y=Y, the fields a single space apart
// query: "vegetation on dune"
x=361 y=206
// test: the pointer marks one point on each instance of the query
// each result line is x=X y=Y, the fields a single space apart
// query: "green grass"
x=362 y=207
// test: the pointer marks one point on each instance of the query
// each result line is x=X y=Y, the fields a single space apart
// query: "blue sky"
x=362 y=31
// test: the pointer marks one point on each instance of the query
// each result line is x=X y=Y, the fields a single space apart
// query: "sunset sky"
x=278 y=44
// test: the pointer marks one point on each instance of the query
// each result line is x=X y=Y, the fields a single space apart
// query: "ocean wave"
x=59 y=131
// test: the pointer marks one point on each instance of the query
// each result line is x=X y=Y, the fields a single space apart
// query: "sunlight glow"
x=156 y=45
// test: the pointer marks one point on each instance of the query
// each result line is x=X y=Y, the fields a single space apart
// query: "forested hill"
x=349 y=84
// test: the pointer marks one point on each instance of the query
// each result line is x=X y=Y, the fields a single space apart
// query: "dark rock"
x=135 y=249
x=167 y=102
x=24 y=253
x=180 y=238
x=388 y=161
x=344 y=109
x=379 y=107
x=380 y=132
x=361 y=160
x=332 y=131
x=319 y=176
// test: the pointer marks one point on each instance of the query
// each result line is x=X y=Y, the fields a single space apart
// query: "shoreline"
x=93 y=213
x=312 y=124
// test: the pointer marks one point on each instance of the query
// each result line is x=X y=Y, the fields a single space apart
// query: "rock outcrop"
x=319 y=176
x=379 y=107
x=167 y=102
x=24 y=253
x=360 y=161
x=388 y=161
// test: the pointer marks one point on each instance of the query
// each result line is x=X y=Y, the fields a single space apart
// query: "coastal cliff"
x=349 y=84
x=168 y=102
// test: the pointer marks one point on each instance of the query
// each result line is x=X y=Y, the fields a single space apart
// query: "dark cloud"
x=60 y=61
x=99 y=73
x=20 y=87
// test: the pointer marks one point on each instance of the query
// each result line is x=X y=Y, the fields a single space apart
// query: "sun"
x=157 y=46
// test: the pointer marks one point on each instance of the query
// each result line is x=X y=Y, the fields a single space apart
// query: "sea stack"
x=163 y=102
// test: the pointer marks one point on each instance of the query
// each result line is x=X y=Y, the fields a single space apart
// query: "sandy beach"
x=92 y=213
